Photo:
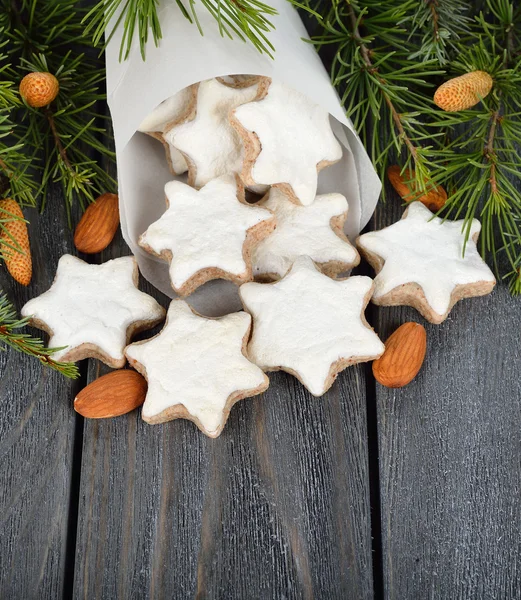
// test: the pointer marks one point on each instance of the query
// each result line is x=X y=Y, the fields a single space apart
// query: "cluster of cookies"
x=286 y=250
x=240 y=135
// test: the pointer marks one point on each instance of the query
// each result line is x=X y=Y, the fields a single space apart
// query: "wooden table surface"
x=364 y=493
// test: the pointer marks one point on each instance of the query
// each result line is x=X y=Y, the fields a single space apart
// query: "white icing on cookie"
x=197 y=362
x=295 y=136
x=428 y=251
x=202 y=229
x=307 y=321
x=169 y=110
x=209 y=140
x=302 y=230
x=178 y=161
x=93 y=304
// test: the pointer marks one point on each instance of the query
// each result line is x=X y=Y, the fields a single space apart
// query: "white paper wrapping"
x=135 y=87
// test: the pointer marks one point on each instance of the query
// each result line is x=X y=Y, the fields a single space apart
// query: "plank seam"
x=374 y=473
x=373 y=456
x=74 y=494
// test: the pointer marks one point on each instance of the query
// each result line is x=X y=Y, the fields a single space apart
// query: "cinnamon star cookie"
x=310 y=325
x=206 y=138
x=422 y=261
x=316 y=230
x=207 y=234
x=172 y=110
x=197 y=368
x=287 y=140
x=93 y=310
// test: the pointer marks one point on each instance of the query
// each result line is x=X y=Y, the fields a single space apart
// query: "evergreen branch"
x=489 y=152
x=371 y=64
x=482 y=163
x=27 y=344
x=372 y=70
x=438 y=25
x=57 y=140
x=15 y=180
x=386 y=59
x=244 y=19
x=54 y=144
x=71 y=125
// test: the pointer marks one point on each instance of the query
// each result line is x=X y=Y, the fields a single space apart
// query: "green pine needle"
x=53 y=144
x=244 y=19
x=23 y=342
x=387 y=58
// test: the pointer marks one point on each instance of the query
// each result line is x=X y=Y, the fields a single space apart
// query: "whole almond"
x=112 y=395
x=403 y=357
x=404 y=184
x=98 y=225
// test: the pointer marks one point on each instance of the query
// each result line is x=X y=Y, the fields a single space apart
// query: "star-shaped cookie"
x=207 y=140
x=197 y=368
x=420 y=262
x=207 y=234
x=94 y=310
x=287 y=140
x=178 y=108
x=316 y=230
x=310 y=325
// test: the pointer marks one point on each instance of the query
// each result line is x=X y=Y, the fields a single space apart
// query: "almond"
x=405 y=185
x=465 y=91
x=112 y=395
x=98 y=225
x=14 y=242
x=403 y=357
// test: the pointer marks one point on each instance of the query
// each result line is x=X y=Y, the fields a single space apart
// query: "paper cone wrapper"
x=184 y=56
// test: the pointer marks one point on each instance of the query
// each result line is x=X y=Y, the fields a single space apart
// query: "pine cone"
x=39 y=89
x=463 y=92
x=18 y=264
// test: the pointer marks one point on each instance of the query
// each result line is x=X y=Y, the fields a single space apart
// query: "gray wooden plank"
x=449 y=448
x=276 y=507
x=37 y=432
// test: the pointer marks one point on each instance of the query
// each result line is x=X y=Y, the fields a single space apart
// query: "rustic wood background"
x=364 y=493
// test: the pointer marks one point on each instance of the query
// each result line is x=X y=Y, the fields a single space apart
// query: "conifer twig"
x=489 y=152
x=57 y=140
x=27 y=344
x=364 y=51
x=56 y=144
x=247 y=20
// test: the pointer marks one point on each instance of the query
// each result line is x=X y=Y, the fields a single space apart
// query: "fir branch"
x=22 y=342
x=372 y=70
x=57 y=143
x=57 y=139
x=481 y=164
x=8 y=97
x=244 y=19
x=16 y=179
x=71 y=125
x=371 y=66
x=437 y=26
x=386 y=60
